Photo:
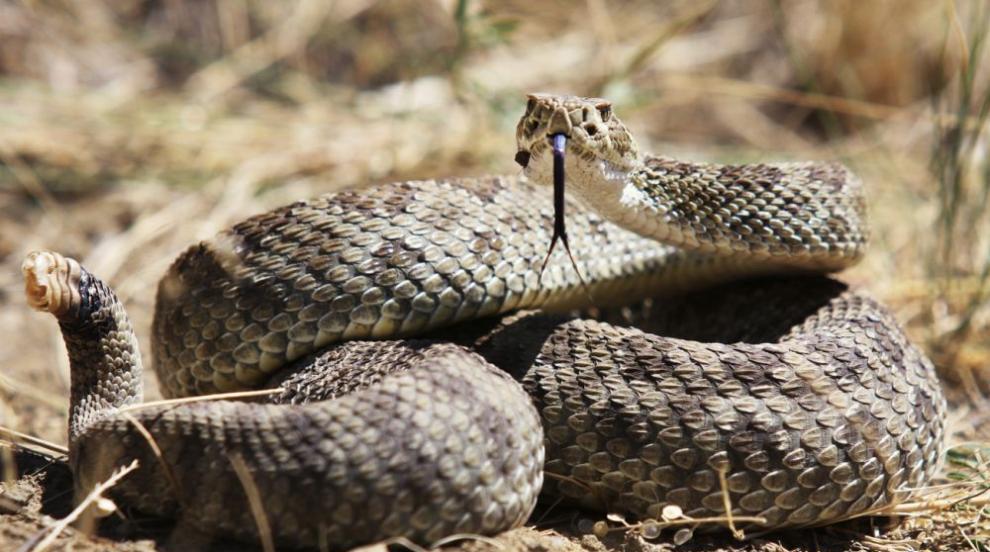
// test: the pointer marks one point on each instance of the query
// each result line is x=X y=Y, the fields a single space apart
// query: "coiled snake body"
x=800 y=401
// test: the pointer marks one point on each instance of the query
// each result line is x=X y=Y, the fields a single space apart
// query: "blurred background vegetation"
x=130 y=128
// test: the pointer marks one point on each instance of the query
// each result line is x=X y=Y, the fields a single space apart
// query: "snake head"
x=600 y=146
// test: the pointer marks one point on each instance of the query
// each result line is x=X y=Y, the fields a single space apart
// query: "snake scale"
x=429 y=376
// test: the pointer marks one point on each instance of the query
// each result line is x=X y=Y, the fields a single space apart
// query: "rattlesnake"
x=790 y=397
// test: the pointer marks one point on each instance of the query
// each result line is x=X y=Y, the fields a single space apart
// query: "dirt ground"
x=129 y=130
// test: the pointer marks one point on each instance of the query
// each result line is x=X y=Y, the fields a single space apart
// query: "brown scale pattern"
x=834 y=416
x=822 y=412
x=797 y=213
x=412 y=443
x=416 y=445
x=393 y=261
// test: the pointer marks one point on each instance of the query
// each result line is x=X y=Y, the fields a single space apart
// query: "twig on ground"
x=213 y=397
x=19 y=437
x=383 y=545
x=157 y=451
x=727 y=503
x=254 y=501
x=96 y=494
x=9 y=472
x=468 y=536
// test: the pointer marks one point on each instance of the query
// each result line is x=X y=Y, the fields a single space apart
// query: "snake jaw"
x=51 y=282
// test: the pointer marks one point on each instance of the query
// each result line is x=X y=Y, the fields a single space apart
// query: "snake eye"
x=522 y=157
x=530 y=105
x=604 y=111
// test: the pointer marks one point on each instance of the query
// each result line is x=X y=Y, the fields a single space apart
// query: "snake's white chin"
x=597 y=182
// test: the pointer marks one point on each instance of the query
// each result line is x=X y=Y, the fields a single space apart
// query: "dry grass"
x=130 y=129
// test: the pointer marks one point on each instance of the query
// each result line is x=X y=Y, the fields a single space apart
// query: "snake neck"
x=780 y=217
x=803 y=216
x=104 y=359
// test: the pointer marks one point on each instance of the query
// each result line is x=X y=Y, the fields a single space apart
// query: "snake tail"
x=103 y=351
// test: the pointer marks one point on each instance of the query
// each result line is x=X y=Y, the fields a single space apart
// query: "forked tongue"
x=559 y=144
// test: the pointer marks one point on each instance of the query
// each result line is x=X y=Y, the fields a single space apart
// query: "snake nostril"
x=522 y=157
x=591 y=129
